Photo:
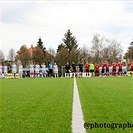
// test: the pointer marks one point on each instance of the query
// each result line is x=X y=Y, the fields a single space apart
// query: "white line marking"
x=77 y=115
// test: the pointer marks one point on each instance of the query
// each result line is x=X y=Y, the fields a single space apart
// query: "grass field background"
x=45 y=105
x=106 y=100
x=36 y=105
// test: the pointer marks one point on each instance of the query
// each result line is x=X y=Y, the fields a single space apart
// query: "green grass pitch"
x=45 y=105
x=107 y=100
x=36 y=105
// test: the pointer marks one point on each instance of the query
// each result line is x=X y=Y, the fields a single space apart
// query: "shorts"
x=87 y=70
x=107 y=71
x=31 y=71
x=74 y=70
x=80 y=70
x=131 y=69
x=43 y=70
x=55 y=72
x=37 y=71
x=13 y=71
x=67 y=71
x=91 y=70
x=120 y=70
x=5 y=72
x=114 y=70
x=96 y=71
x=102 y=70
x=20 y=72
x=50 y=71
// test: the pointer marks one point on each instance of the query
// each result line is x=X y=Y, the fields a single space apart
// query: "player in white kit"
x=37 y=70
x=14 y=69
x=43 y=70
x=0 y=70
x=55 y=69
x=31 y=70
x=5 y=70
x=20 y=70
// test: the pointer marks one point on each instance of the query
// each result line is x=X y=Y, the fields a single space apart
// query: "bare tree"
x=52 y=51
x=105 y=49
x=2 y=56
x=97 y=47
x=11 y=55
x=114 y=51
x=84 y=54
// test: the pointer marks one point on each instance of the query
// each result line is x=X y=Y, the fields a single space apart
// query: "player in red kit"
x=107 y=68
x=131 y=68
x=114 y=65
x=87 y=66
x=97 y=66
x=120 y=68
x=103 y=65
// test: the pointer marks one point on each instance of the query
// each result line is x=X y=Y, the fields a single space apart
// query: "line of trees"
x=101 y=48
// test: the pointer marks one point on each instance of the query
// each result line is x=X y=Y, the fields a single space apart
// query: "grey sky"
x=23 y=22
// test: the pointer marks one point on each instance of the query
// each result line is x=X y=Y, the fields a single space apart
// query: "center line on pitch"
x=77 y=115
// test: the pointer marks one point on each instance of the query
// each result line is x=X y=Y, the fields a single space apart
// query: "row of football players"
x=47 y=71
x=91 y=68
x=34 y=70
x=4 y=70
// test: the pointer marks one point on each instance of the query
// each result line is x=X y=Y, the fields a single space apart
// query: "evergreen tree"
x=41 y=46
x=68 y=50
x=60 y=47
x=69 y=41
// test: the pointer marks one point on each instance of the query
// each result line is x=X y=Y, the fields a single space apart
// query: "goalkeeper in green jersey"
x=92 y=67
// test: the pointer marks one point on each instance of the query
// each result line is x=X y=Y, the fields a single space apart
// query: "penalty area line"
x=77 y=115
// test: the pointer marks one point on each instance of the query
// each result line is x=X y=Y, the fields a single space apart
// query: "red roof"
x=31 y=50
